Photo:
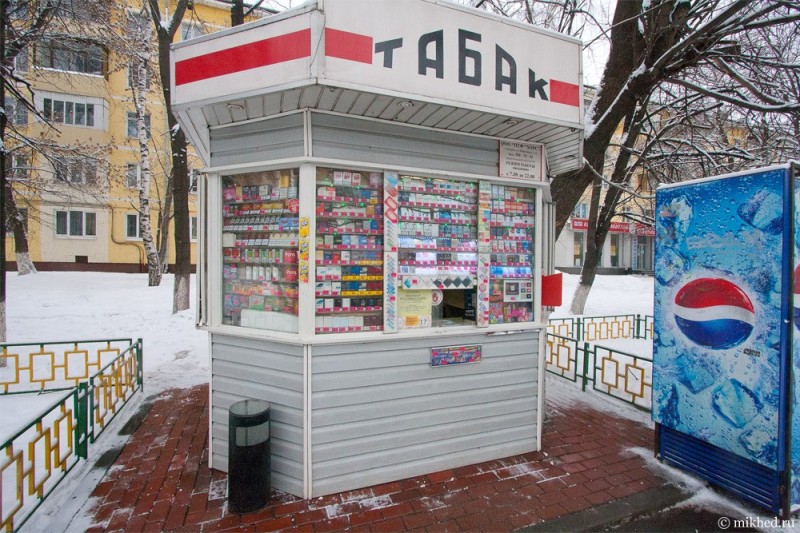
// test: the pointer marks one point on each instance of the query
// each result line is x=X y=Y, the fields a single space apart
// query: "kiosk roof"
x=426 y=63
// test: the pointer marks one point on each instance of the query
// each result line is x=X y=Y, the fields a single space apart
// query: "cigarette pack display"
x=437 y=230
x=260 y=238
x=349 y=251
x=512 y=236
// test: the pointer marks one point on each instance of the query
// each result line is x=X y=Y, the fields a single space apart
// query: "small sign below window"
x=521 y=160
x=455 y=355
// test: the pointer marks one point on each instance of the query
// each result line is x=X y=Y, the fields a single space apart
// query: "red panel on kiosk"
x=565 y=93
x=347 y=45
x=248 y=56
x=552 y=286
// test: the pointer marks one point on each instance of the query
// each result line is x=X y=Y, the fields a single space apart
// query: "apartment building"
x=79 y=190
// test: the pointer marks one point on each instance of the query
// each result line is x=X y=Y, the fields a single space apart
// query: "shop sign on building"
x=434 y=52
x=582 y=224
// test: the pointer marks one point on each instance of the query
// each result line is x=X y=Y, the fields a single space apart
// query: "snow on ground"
x=611 y=295
x=58 y=306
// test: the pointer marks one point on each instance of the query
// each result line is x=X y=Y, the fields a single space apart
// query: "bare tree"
x=165 y=34
x=140 y=58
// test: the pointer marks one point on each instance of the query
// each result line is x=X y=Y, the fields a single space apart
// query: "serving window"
x=387 y=251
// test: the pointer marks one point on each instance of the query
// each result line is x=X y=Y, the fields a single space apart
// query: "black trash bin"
x=249 y=479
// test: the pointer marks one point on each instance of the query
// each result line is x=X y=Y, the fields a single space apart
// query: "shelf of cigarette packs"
x=259 y=254
x=437 y=229
x=512 y=240
x=349 y=251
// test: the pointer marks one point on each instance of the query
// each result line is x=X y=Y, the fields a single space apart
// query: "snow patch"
x=377 y=502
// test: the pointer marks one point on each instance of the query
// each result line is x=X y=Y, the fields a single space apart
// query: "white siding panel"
x=390 y=144
x=261 y=140
x=250 y=369
x=390 y=415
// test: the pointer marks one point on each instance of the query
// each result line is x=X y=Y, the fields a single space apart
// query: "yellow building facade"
x=80 y=198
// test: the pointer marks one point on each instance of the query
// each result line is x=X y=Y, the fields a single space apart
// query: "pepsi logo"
x=714 y=313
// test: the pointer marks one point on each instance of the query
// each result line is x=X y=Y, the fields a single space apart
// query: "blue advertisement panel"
x=719 y=298
x=794 y=493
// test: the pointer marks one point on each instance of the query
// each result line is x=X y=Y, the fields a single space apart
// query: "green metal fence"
x=573 y=354
x=100 y=377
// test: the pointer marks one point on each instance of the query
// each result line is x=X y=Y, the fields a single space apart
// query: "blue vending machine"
x=726 y=356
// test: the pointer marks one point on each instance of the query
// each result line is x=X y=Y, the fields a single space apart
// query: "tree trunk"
x=600 y=224
x=592 y=256
x=237 y=12
x=178 y=147
x=180 y=189
x=154 y=266
x=17 y=225
x=612 y=103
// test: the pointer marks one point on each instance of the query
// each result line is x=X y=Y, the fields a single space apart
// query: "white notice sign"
x=521 y=160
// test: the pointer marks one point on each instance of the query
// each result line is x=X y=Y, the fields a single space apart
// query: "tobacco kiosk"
x=376 y=231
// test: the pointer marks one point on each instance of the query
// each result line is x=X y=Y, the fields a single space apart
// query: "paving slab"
x=161 y=481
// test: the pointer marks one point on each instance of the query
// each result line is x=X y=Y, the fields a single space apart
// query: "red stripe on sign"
x=346 y=45
x=296 y=45
x=565 y=93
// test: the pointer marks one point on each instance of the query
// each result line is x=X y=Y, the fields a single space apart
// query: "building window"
x=69 y=112
x=577 y=248
x=21 y=61
x=190 y=30
x=16 y=111
x=581 y=211
x=193 y=228
x=133 y=176
x=71 y=55
x=132 y=132
x=75 y=170
x=76 y=223
x=132 y=230
x=18 y=167
x=193 y=181
x=75 y=9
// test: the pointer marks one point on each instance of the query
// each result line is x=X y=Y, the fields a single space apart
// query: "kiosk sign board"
x=419 y=49
x=442 y=51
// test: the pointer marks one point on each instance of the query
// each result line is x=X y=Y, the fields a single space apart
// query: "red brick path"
x=161 y=481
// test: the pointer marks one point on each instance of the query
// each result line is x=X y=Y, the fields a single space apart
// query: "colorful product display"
x=437 y=232
x=470 y=242
x=349 y=251
x=260 y=261
x=511 y=271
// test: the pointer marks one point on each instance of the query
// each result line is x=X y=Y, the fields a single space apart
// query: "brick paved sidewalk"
x=161 y=481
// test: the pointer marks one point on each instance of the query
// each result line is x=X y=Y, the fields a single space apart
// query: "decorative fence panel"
x=572 y=355
x=92 y=381
x=623 y=375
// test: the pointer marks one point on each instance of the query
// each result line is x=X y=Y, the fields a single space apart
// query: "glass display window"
x=437 y=252
x=348 y=292
x=260 y=250
x=513 y=214
x=390 y=251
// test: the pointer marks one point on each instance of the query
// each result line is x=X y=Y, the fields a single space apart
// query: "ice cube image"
x=670 y=266
x=668 y=410
x=760 y=444
x=737 y=404
x=673 y=219
x=697 y=372
x=764 y=211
